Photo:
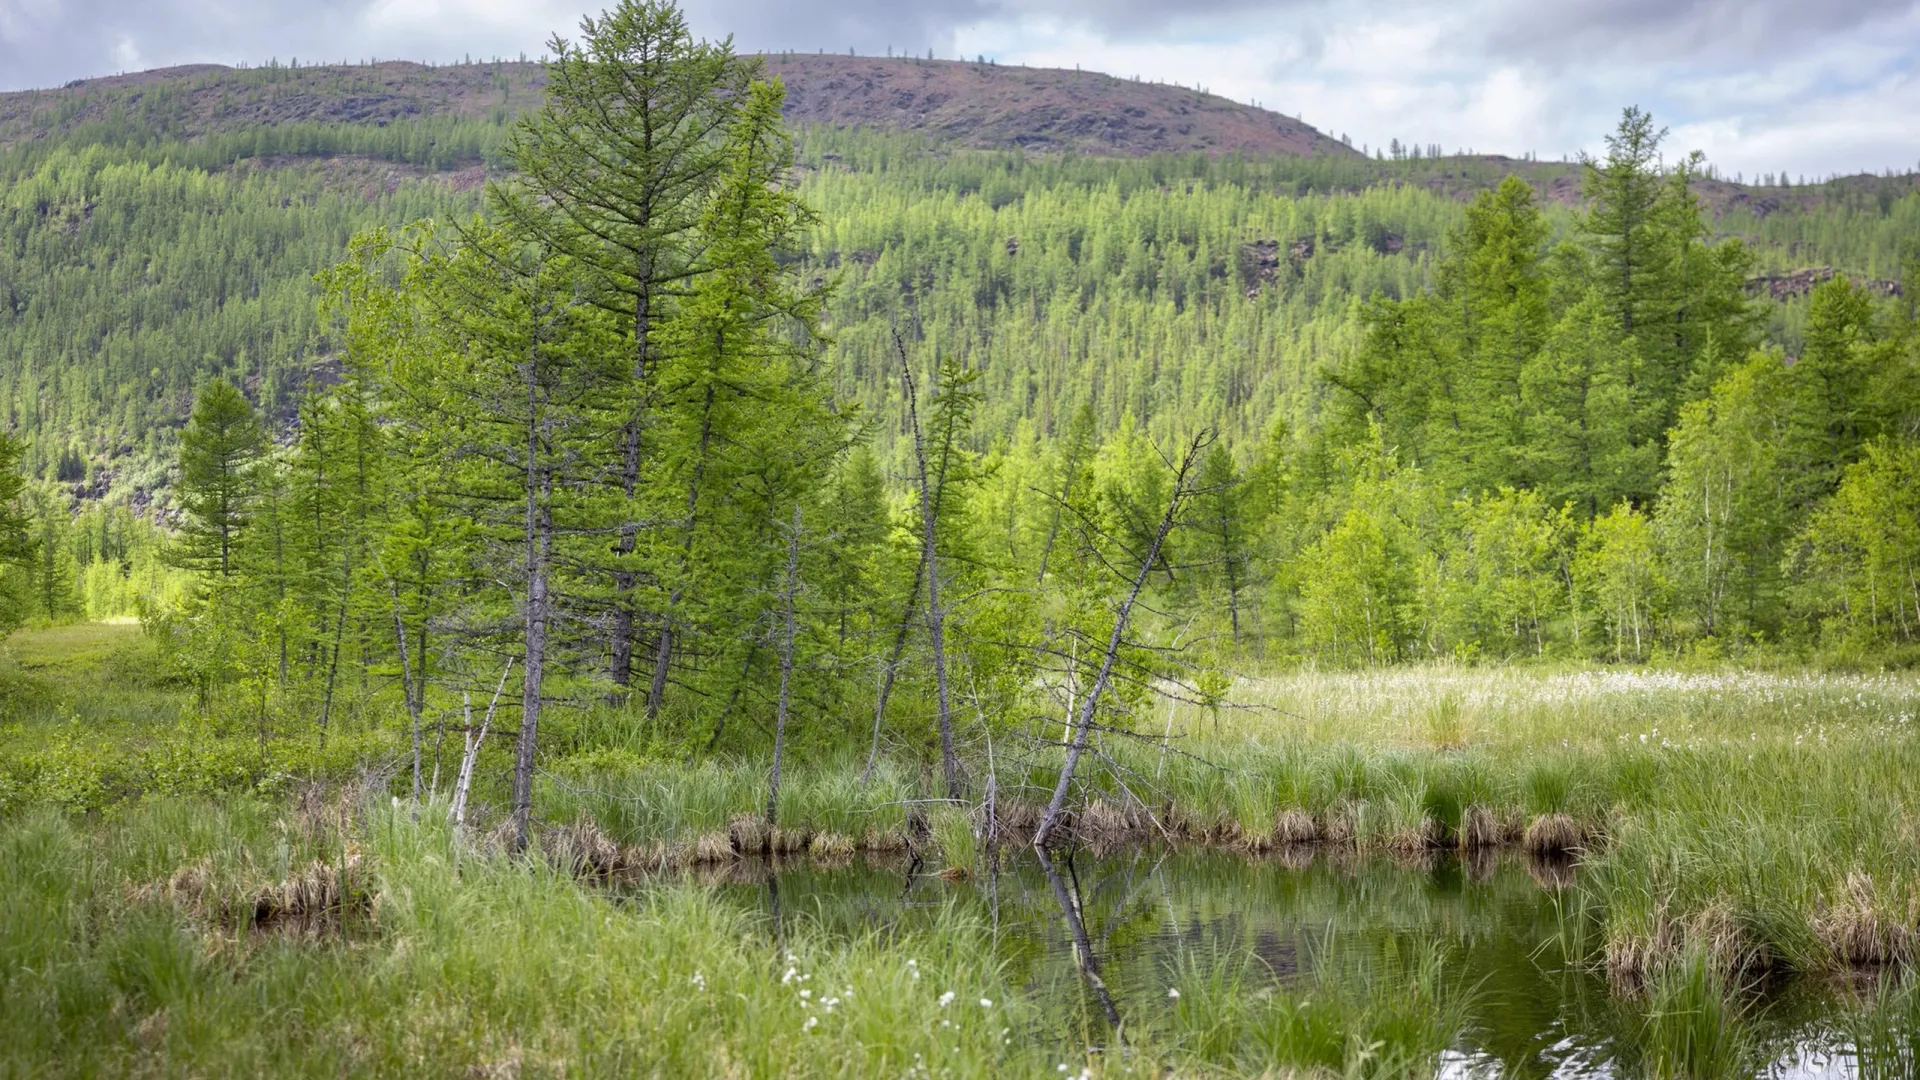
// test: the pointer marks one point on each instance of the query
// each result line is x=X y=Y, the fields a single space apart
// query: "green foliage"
x=218 y=451
x=1862 y=550
x=17 y=541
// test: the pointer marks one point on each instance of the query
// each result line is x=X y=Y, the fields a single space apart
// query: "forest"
x=639 y=482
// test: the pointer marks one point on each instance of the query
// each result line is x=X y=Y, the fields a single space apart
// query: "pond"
x=1498 y=935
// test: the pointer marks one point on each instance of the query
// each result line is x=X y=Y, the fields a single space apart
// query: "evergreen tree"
x=1624 y=190
x=1851 y=384
x=53 y=568
x=743 y=430
x=1497 y=285
x=1220 y=522
x=218 y=449
x=1578 y=444
x=17 y=542
x=615 y=171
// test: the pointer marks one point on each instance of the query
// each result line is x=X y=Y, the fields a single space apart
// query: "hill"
x=989 y=106
x=984 y=106
x=1160 y=252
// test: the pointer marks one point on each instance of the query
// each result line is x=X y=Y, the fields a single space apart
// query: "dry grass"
x=1482 y=829
x=831 y=845
x=1861 y=927
x=1104 y=822
x=717 y=847
x=882 y=839
x=585 y=849
x=1295 y=827
x=747 y=834
x=318 y=897
x=1553 y=834
x=785 y=841
x=1713 y=932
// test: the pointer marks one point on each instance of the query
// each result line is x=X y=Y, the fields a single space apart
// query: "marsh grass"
x=1695 y=1026
x=471 y=964
x=1884 y=1029
x=120 y=953
x=953 y=836
x=1763 y=818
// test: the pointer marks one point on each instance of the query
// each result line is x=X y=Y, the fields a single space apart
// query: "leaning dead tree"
x=1082 y=721
x=930 y=563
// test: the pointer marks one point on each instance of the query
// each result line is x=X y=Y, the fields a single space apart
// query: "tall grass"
x=1763 y=817
x=137 y=946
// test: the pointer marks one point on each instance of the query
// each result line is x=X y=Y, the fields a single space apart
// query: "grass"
x=140 y=944
x=90 y=719
x=1728 y=824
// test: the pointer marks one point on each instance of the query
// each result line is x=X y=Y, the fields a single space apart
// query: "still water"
x=1500 y=931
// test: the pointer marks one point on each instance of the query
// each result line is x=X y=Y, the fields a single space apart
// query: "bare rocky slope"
x=969 y=104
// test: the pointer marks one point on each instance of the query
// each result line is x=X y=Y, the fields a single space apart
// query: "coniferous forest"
x=619 y=473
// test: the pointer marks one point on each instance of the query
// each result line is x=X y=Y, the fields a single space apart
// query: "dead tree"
x=1089 y=705
x=890 y=667
x=457 y=811
x=930 y=559
x=1083 y=957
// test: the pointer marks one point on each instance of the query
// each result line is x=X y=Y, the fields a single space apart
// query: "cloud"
x=48 y=42
x=1760 y=85
x=1690 y=32
x=866 y=26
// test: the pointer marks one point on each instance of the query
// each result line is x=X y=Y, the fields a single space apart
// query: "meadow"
x=184 y=896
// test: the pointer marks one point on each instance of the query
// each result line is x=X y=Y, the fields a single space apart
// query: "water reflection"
x=1070 y=908
x=1101 y=938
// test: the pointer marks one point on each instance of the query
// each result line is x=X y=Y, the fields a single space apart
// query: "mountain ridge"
x=976 y=105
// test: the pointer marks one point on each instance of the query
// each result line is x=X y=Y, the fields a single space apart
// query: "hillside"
x=988 y=106
x=162 y=227
x=984 y=106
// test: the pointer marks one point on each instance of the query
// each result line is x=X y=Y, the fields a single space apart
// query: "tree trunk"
x=620 y=669
x=786 y=669
x=891 y=667
x=457 y=812
x=930 y=558
x=539 y=539
x=413 y=698
x=339 y=629
x=663 y=655
x=1083 y=957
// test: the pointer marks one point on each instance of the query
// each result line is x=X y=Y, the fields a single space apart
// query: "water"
x=1508 y=947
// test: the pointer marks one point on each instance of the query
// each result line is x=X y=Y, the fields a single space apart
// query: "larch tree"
x=614 y=171
x=222 y=441
x=16 y=536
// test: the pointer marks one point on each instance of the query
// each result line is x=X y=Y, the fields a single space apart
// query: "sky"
x=1806 y=87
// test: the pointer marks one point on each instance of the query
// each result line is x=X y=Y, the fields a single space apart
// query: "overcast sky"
x=1804 y=86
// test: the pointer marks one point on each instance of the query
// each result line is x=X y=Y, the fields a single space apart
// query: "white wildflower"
x=946 y=999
